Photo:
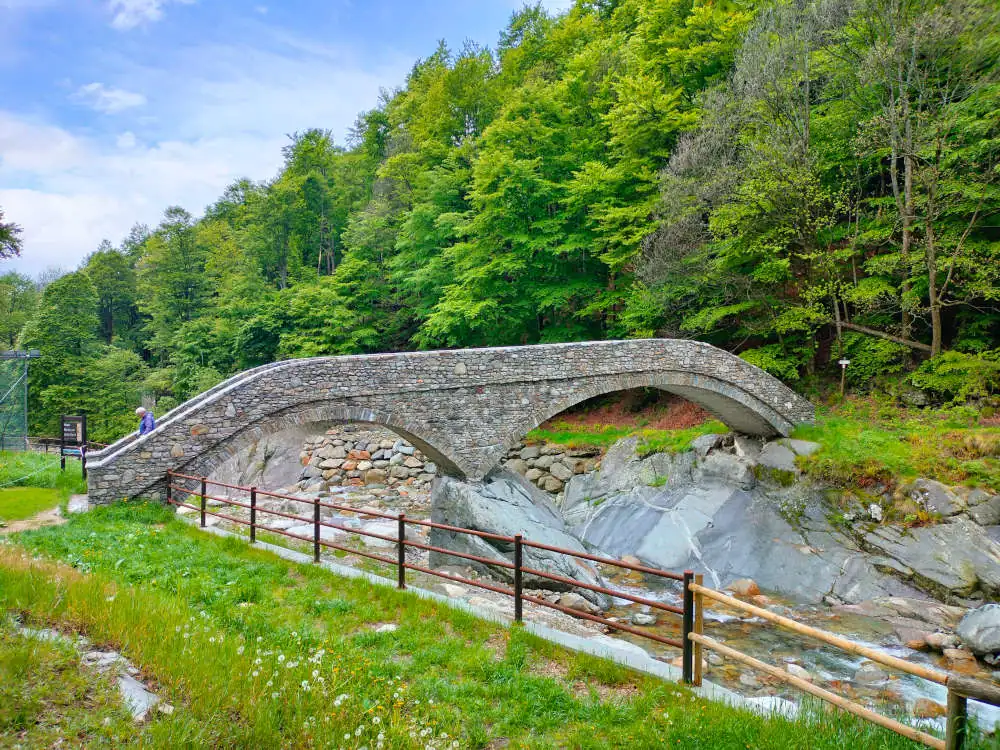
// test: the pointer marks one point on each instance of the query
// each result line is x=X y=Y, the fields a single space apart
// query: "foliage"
x=47 y=696
x=786 y=180
x=255 y=650
x=959 y=377
x=10 y=238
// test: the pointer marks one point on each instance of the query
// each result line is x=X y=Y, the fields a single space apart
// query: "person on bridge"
x=146 y=421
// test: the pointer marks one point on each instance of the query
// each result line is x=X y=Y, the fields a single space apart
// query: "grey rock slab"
x=800 y=447
x=980 y=630
x=955 y=557
x=986 y=513
x=507 y=505
x=724 y=468
x=702 y=444
x=136 y=697
x=78 y=504
x=777 y=456
x=747 y=447
x=936 y=497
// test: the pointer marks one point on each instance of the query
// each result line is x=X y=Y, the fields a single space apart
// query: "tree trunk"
x=887 y=336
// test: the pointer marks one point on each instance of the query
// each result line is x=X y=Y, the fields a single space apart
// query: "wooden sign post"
x=73 y=440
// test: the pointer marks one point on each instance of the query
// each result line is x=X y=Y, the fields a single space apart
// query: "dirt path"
x=53 y=517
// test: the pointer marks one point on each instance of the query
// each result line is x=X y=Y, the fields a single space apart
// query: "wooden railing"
x=960 y=688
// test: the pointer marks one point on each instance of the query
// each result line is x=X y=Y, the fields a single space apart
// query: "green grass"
x=29 y=469
x=602 y=436
x=48 y=699
x=259 y=652
x=17 y=503
x=865 y=443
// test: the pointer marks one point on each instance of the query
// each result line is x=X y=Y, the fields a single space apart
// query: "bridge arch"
x=463 y=408
x=325 y=412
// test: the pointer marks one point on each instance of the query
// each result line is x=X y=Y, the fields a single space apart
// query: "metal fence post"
x=170 y=491
x=688 y=644
x=958 y=710
x=204 y=492
x=316 y=530
x=699 y=628
x=518 y=582
x=401 y=553
x=253 y=515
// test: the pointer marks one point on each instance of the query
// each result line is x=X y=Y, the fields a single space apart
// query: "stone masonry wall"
x=463 y=409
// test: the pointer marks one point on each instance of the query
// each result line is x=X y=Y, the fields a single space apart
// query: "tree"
x=18 y=297
x=10 y=238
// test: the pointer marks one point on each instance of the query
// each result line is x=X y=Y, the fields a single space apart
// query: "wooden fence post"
x=699 y=628
x=316 y=530
x=958 y=710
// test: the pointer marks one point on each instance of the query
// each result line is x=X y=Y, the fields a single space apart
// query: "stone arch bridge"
x=462 y=408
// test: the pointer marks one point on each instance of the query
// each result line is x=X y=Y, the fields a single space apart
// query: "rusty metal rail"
x=516 y=567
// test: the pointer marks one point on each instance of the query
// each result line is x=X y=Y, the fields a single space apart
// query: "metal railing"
x=960 y=688
x=518 y=569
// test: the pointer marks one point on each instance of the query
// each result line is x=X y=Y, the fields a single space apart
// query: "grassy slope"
x=17 y=503
x=41 y=470
x=232 y=635
x=864 y=443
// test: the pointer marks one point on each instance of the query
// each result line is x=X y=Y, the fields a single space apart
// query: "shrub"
x=960 y=377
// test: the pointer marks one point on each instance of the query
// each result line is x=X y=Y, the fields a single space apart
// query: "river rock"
x=925 y=708
x=796 y=671
x=778 y=457
x=961 y=660
x=506 y=504
x=935 y=497
x=870 y=674
x=643 y=618
x=745 y=587
x=517 y=465
x=980 y=630
x=986 y=512
x=702 y=444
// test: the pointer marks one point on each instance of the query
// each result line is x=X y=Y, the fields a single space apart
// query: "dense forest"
x=796 y=182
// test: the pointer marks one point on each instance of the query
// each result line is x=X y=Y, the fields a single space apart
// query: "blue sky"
x=111 y=110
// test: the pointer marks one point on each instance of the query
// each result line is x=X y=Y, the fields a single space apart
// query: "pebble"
x=641 y=618
x=925 y=708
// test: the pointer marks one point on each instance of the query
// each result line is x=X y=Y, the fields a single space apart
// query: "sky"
x=112 y=110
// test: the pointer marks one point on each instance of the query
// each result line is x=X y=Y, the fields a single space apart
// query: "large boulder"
x=508 y=505
x=780 y=538
x=980 y=630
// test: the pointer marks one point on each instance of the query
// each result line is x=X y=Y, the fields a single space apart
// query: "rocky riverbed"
x=734 y=508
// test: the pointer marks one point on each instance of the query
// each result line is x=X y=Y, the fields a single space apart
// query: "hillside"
x=797 y=182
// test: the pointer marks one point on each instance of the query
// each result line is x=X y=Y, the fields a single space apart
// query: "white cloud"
x=126 y=140
x=107 y=99
x=220 y=113
x=129 y=14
